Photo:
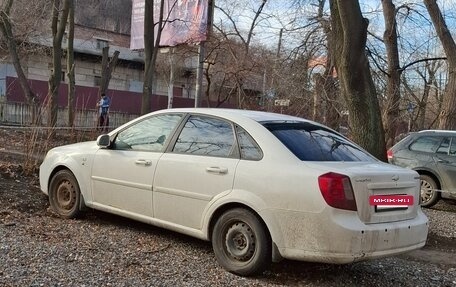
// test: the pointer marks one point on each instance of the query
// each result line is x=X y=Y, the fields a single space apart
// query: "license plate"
x=390 y=202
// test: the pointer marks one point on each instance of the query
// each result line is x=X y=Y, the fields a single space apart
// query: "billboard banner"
x=185 y=21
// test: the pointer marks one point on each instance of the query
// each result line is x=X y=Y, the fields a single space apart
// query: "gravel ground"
x=39 y=249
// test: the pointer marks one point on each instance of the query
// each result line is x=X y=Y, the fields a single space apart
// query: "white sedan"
x=260 y=186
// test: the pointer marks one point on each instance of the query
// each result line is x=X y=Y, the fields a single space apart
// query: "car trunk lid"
x=379 y=179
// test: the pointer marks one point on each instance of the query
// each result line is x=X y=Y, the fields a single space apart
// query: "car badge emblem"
x=395 y=177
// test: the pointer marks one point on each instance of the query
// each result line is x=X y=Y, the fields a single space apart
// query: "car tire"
x=429 y=194
x=241 y=242
x=65 y=195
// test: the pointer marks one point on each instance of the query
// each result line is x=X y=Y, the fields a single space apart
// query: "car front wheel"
x=64 y=194
x=241 y=243
x=429 y=194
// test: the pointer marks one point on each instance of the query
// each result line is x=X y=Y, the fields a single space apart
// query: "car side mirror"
x=104 y=141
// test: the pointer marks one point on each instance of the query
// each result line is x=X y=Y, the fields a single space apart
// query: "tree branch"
x=420 y=61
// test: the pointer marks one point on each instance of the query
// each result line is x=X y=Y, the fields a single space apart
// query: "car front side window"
x=206 y=136
x=147 y=135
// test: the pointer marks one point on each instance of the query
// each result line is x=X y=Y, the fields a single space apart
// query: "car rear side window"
x=453 y=146
x=444 y=146
x=426 y=144
x=248 y=147
x=311 y=142
x=206 y=136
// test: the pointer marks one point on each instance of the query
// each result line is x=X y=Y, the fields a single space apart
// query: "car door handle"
x=144 y=162
x=442 y=161
x=217 y=170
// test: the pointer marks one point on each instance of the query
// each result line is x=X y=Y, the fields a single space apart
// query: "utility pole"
x=202 y=56
x=199 y=75
x=171 y=78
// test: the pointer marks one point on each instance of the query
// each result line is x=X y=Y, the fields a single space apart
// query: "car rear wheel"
x=64 y=194
x=241 y=243
x=429 y=194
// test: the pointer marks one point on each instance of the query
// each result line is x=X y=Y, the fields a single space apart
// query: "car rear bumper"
x=345 y=239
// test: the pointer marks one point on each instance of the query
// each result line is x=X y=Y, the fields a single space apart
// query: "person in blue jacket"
x=103 y=111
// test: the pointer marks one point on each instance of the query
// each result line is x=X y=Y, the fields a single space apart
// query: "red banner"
x=185 y=21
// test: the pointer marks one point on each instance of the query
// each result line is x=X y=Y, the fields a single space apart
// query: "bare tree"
x=393 y=73
x=422 y=109
x=349 y=33
x=59 y=22
x=70 y=65
x=236 y=37
x=326 y=81
x=151 y=48
x=448 y=113
x=107 y=67
x=7 y=32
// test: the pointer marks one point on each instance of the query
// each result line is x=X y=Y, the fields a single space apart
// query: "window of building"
x=96 y=81
x=102 y=44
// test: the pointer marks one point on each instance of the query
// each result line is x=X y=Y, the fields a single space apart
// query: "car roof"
x=437 y=132
x=258 y=116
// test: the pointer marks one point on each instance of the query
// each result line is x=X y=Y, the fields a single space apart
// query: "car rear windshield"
x=310 y=142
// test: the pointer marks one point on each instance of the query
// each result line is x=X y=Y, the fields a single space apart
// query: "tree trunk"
x=7 y=31
x=70 y=66
x=327 y=82
x=59 y=21
x=447 y=119
x=331 y=92
x=107 y=67
x=393 y=93
x=151 y=47
x=349 y=30
x=319 y=111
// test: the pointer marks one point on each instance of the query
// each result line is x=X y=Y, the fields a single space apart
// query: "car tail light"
x=389 y=154
x=337 y=191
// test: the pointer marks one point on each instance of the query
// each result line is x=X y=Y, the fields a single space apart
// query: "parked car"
x=432 y=153
x=260 y=186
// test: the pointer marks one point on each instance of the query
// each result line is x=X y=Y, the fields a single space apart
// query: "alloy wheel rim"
x=427 y=191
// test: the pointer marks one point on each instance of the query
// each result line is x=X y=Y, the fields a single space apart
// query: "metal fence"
x=22 y=115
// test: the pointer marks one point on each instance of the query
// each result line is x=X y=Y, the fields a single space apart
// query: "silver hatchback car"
x=432 y=153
